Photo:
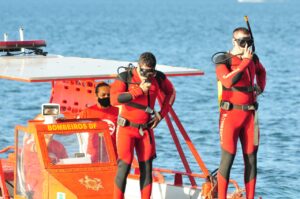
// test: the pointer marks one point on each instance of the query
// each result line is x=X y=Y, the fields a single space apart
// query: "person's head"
x=102 y=92
x=48 y=138
x=240 y=39
x=147 y=63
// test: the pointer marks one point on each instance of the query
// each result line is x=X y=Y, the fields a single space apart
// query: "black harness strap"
x=245 y=89
x=126 y=77
x=225 y=105
x=147 y=109
x=226 y=59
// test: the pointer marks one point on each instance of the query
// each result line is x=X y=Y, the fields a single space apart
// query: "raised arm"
x=119 y=93
x=229 y=78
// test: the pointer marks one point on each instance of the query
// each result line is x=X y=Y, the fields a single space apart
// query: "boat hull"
x=161 y=191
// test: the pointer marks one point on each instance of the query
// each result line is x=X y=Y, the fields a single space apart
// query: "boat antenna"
x=250 y=31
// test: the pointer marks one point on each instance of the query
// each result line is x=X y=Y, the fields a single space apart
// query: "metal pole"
x=21 y=32
x=178 y=146
x=5 y=36
x=189 y=143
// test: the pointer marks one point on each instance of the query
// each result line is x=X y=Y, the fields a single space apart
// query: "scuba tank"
x=221 y=58
x=220 y=90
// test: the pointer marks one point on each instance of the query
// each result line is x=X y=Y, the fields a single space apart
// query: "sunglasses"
x=243 y=41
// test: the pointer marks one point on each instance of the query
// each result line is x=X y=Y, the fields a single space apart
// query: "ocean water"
x=179 y=33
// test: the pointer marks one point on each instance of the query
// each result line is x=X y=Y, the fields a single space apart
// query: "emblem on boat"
x=91 y=183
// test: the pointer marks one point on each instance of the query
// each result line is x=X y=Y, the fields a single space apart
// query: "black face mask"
x=105 y=102
x=245 y=40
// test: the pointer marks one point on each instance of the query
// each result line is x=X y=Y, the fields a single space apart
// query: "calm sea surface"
x=180 y=33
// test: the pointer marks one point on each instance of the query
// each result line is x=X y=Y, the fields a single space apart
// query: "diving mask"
x=243 y=41
x=148 y=73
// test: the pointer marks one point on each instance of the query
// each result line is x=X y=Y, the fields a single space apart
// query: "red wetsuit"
x=129 y=137
x=56 y=151
x=34 y=178
x=109 y=115
x=32 y=169
x=235 y=123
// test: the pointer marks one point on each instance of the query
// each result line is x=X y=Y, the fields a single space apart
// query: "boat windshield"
x=76 y=148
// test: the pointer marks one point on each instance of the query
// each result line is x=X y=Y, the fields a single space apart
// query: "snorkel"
x=250 y=31
x=223 y=57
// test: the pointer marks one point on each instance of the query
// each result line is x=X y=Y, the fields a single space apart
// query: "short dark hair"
x=99 y=85
x=241 y=29
x=148 y=59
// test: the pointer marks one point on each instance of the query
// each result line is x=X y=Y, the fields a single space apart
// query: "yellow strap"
x=220 y=90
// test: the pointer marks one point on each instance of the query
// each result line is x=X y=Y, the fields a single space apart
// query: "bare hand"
x=155 y=120
x=145 y=86
x=258 y=90
x=247 y=53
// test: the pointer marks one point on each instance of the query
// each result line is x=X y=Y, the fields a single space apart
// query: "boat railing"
x=178 y=176
x=6 y=149
x=3 y=187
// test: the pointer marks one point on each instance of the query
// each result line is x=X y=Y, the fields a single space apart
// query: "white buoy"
x=21 y=32
x=5 y=36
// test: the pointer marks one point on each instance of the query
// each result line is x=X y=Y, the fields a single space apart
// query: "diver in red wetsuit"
x=136 y=93
x=104 y=111
x=237 y=74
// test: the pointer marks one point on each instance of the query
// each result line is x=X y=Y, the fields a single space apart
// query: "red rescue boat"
x=73 y=80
